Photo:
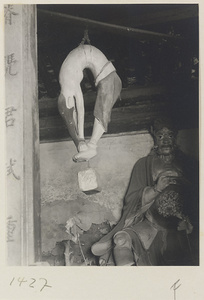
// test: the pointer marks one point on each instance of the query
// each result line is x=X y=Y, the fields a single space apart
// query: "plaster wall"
x=61 y=196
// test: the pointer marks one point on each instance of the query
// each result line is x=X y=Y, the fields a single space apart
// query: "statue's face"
x=165 y=140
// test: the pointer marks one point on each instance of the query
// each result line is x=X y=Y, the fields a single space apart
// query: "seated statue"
x=160 y=209
x=71 y=102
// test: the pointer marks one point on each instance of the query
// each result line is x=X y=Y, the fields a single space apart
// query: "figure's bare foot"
x=87 y=154
x=82 y=146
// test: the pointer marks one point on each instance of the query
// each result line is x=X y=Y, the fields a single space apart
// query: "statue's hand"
x=185 y=225
x=164 y=181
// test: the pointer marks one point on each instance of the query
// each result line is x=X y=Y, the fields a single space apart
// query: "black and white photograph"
x=101 y=121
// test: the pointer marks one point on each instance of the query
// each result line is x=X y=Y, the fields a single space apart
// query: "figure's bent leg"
x=68 y=115
x=123 y=254
x=80 y=113
x=80 y=120
x=91 y=151
x=108 y=92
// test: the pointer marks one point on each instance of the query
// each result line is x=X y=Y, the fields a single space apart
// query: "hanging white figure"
x=71 y=102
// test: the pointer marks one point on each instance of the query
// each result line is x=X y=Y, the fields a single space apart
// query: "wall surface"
x=61 y=197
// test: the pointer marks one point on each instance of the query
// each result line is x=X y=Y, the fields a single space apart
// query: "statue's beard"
x=167 y=152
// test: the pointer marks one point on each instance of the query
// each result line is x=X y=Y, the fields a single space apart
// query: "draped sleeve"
x=140 y=178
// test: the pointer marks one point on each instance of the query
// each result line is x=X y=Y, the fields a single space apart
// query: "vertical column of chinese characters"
x=14 y=132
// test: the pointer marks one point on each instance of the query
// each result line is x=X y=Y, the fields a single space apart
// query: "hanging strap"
x=85 y=38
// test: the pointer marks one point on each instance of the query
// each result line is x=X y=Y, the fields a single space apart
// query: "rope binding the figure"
x=86 y=38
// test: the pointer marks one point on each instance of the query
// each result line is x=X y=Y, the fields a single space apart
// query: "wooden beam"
x=127 y=31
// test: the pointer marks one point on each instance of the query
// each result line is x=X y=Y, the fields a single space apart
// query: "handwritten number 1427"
x=31 y=283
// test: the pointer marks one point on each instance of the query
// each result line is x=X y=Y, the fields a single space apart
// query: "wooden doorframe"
x=23 y=200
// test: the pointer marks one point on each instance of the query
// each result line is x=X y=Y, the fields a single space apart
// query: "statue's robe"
x=154 y=242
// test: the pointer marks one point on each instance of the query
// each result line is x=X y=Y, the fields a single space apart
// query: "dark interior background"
x=155 y=49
